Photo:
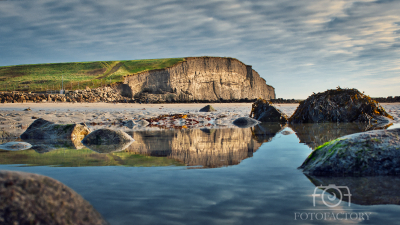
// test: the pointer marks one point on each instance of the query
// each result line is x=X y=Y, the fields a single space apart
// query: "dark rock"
x=265 y=132
x=106 y=140
x=263 y=111
x=369 y=153
x=15 y=146
x=28 y=198
x=207 y=108
x=339 y=105
x=244 y=122
x=43 y=129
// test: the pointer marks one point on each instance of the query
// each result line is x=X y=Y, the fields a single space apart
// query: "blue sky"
x=299 y=47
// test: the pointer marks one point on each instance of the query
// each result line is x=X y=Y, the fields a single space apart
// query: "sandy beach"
x=14 y=118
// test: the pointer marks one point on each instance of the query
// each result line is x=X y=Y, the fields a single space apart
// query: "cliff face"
x=199 y=78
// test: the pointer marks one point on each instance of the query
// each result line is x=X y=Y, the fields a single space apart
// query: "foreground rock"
x=34 y=199
x=340 y=105
x=244 y=122
x=207 y=108
x=43 y=129
x=106 y=140
x=369 y=153
x=263 y=111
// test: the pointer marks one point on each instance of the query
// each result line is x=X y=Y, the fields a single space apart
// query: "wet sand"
x=14 y=119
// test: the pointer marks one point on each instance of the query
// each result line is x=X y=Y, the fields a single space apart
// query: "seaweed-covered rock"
x=207 y=108
x=43 y=129
x=106 y=140
x=339 y=105
x=244 y=122
x=368 y=153
x=28 y=198
x=264 y=111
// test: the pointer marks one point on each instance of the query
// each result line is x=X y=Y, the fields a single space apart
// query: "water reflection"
x=315 y=134
x=48 y=145
x=377 y=190
x=198 y=147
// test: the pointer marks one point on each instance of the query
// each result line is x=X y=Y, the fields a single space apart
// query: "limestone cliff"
x=199 y=78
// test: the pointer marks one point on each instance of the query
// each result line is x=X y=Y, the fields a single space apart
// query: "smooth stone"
x=244 y=122
x=15 y=146
x=207 y=108
x=28 y=198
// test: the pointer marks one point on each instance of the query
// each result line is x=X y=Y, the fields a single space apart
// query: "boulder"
x=15 y=146
x=339 y=105
x=207 y=108
x=28 y=198
x=143 y=123
x=106 y=140
x=374 y=152
x=244 y=122
x=264 y=111
x=43 y=129
x=130 y=124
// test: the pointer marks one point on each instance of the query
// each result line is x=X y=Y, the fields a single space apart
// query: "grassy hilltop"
x=77 y=75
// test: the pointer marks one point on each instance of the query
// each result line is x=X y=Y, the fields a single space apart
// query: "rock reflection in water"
x=209 y=148
x=315 y=134
x=109 y=148
x=376 y=190
x=47 y=145
x=264 y=132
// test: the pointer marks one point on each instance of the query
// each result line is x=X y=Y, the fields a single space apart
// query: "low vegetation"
x=76 y=75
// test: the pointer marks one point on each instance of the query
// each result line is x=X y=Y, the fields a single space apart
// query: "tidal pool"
x=214 y=176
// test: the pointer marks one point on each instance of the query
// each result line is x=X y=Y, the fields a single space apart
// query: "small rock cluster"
x=338 y=105
x=103 y=94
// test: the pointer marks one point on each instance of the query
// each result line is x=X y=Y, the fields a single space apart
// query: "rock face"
x=263 y=111
x=34 y=199
x=43 y=129
x=369 y=153
x=340 y=105
x=199 y=78
x=106 y=140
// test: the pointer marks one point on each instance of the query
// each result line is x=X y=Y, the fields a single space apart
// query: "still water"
x=214 y=176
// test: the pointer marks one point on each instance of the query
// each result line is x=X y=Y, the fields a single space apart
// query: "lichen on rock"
x=368 y=153
x=339 y=105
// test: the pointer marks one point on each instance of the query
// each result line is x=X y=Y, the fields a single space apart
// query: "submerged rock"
x=369 y=153
x=244 y=122
x=263 y=111
x=43 y=129
x=15 y=146
x=339 y=105
x=28 y=198
x=106 y=140
x=207 y=108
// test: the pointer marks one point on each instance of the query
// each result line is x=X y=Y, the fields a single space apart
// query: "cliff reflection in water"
x=209 y=148
x=316 y=134
x=376 y=190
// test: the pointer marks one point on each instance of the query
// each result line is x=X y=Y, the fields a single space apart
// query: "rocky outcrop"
x=106 y=140
x=369 y=153
x=339 y=105
x=43 y=129
x=263 y=111
x=199 y=78
x=28 y=198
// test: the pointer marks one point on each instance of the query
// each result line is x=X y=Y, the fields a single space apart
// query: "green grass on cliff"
x=78 y=75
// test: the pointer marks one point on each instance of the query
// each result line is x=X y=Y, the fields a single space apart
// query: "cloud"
x=341 y=39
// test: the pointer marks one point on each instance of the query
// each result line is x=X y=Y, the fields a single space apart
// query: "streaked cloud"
x=299 y=47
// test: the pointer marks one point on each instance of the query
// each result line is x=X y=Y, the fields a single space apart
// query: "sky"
x=297 y=46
